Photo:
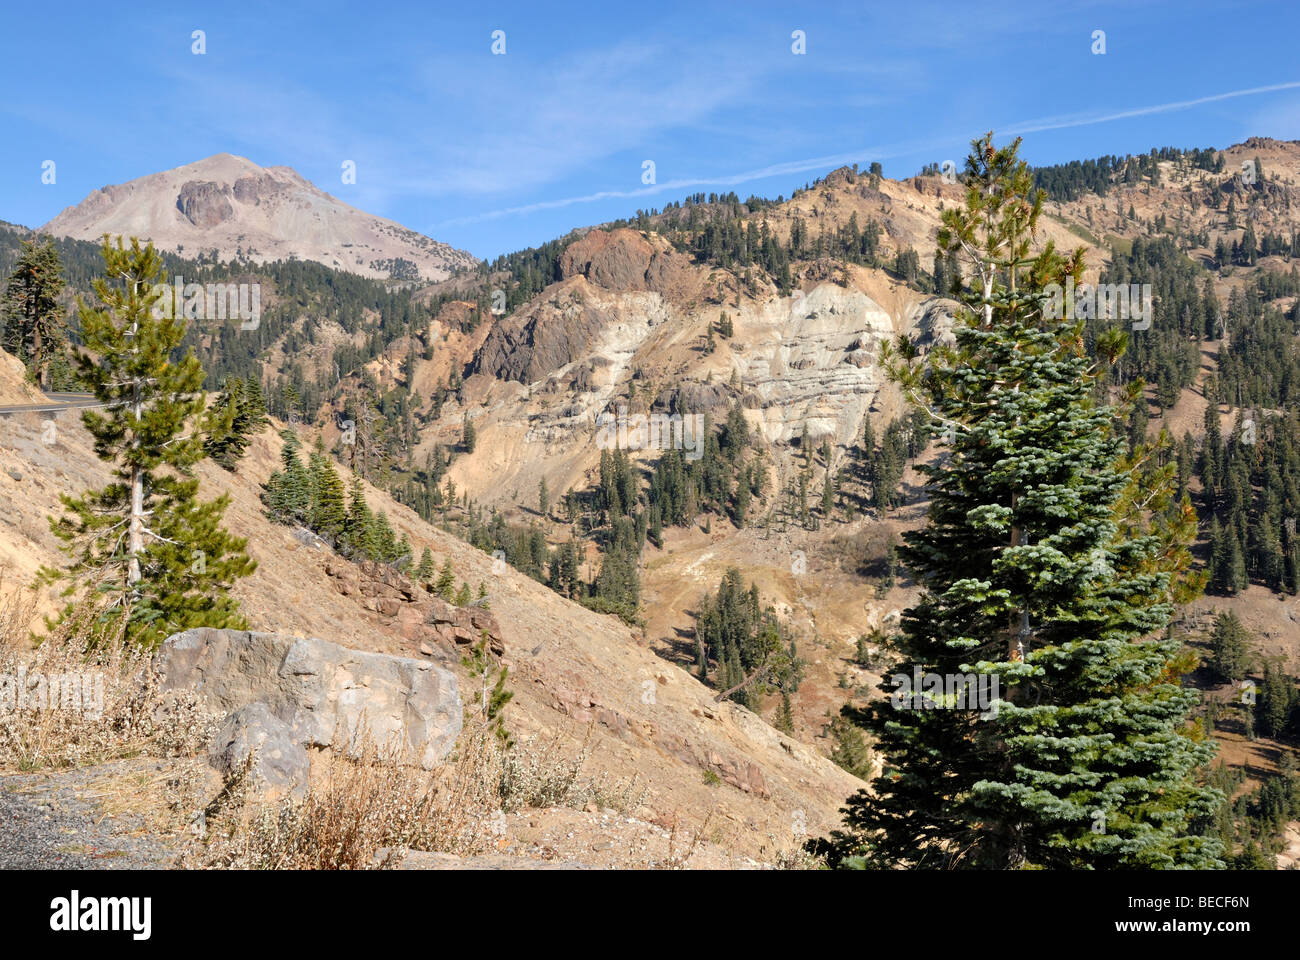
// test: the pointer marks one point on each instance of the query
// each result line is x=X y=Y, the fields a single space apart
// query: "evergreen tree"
x=230 y=424
x=329 y=512
x=469 y=436
x=1229 y=648
x=1042 y=572
x=32 y=325
x=156 y=552
x=424 y=570
x=1276 y=702
x=358 y=531
x=850 y=751
x=446 y=582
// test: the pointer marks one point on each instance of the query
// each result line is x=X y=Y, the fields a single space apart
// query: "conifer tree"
x=469 y=436
x=446 y=581
x=156 y=552
x=358 y=532
x=1041 y=570
x=1229 y=648
x=329 y=512
x=234 y=418
x=32 y=325
x=424 y=570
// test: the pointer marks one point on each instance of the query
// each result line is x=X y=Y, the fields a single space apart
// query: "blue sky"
x=495 y=152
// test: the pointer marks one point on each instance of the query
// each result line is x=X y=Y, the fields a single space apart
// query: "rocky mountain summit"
x=240 y=210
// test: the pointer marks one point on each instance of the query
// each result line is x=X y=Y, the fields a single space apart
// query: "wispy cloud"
x=861 y=156
x=1086 y=120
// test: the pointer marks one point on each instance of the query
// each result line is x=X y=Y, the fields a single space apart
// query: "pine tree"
x=230 y=424
x=446 y=583
x=1276 y=701
x=850 y=751
x=329 y=512
x=32 y=325
x=424 y=571
x=358 y=531
x=469 y=436
x=288 y=492
x=1229 y=648
x=156 y=553
x=543 y=498
x=1041 y=572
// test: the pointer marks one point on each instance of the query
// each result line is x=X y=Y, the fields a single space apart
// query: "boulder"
x=322 y=692
x=280 y=762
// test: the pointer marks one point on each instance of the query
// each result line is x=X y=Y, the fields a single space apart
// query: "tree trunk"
x=135 y=540
x=135 y=537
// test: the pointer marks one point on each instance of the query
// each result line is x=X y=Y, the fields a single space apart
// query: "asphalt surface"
x=54 y=403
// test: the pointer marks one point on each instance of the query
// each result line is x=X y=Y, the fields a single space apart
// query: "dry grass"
x=365 y=811
x=355 y=809
x=63 y=705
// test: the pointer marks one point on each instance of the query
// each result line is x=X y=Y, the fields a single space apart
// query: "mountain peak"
x=241 y=210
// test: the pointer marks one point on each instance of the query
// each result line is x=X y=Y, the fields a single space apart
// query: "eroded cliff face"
x=582 y=349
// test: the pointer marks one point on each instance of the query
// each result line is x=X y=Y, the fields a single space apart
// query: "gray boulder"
x=322 y=693
x=280 y=762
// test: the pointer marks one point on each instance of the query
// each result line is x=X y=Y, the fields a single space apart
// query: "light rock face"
x=813 y=360
x=286 y=694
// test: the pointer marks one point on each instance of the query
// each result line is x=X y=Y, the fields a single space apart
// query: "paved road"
x=54 y=403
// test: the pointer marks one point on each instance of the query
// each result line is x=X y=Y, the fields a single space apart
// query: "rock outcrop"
x=204 y=203
x=285 y=695
x=418 y=615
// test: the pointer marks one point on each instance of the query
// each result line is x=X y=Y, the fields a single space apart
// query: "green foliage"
x=1049 y=562
x=753 y=651
x=424 y=570
x=312 y=496
x=156 y=553
x=850 y=751
x=1276 y=703
x=446 y=582
x=1229 y=648
x=235 y=417
x=491 y=695
x=32 y=324
x=469 y=436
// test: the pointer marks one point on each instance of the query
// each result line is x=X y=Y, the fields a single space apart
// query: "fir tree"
x=358 y=531
x=446 y=583
x=1229 y=648
x=424 y=570
x=468 y=436
x=1042 y=571
x=329 y=512
x=850 y=751
x=32 y=325
x=156 y=553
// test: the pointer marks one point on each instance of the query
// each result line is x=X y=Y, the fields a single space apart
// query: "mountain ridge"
x=245 y=211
